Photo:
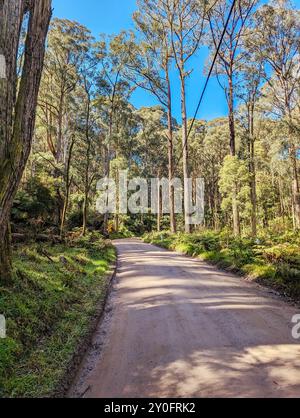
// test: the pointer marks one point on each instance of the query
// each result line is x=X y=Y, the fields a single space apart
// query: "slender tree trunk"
x=65 y=210
x=107 y=174
x=266 y=217
x=252 y=170
x=159 y=206
x=59 y=152
x=171 y=157
x=87 y=168
x=84 y=216
x=117 y=222
x=117 y=216
x=236 y=215
x=281 y=198
x=18 y=110
x=107 y=163
x=253 y=199
x=295 y=187
x=185 y=156
x=293 y=155
x=68 y=188
x=216 y=217
x=235 y=209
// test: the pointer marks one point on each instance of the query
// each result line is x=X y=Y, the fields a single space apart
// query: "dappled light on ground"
x=180 y=327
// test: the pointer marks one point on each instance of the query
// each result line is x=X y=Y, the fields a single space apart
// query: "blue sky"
x=111 y=16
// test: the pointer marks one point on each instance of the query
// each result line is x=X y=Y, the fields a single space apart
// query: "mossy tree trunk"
x=18 y=107
x=5 y=253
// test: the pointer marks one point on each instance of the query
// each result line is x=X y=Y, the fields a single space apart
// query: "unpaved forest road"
x=177 y=327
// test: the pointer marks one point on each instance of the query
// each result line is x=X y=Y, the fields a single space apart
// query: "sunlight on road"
x=181 y=328
x=254 y=371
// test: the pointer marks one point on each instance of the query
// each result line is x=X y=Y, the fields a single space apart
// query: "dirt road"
x=176 y=327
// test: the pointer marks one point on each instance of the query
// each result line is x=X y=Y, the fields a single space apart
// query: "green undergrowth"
x=54 y=294
x=273 y=261
x=122 y=234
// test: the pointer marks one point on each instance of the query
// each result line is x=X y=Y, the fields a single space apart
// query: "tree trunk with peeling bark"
x=18 y=106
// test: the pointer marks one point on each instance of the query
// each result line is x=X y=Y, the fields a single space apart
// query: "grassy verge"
x=48 y=307
x=274 y=262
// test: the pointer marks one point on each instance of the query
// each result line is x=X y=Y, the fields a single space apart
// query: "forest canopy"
x=87 y=128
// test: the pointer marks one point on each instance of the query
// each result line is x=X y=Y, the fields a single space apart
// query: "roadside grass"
x=272 y=261
x=48 y=306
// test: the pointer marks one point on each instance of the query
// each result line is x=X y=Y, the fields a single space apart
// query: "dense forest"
x=67 y=120
x=86 y=126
